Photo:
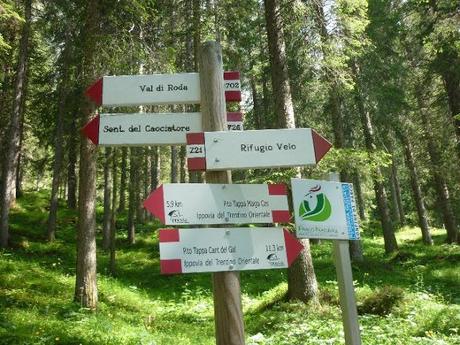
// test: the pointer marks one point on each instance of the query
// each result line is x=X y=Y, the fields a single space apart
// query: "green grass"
x=410 y=298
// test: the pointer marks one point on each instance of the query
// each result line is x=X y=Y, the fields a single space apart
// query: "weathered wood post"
x=226 y=285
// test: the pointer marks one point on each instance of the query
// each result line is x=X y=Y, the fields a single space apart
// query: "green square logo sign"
x=324 y=209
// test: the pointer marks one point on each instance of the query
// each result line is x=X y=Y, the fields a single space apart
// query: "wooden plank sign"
x=134 y=90
x=192 y=203
x=267 y=148
x=226 y=249
x=148 y=128
x=324 y=209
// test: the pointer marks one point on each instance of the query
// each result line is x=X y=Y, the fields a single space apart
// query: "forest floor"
x=409 y=298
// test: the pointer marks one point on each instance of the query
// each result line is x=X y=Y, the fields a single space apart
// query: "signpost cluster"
x=216 y=144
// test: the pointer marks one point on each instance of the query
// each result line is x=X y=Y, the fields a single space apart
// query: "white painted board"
x=259 y=149
x=151 y=89
x=225 y=249
x=324 y=209
x=193 y=203
x=147 y=128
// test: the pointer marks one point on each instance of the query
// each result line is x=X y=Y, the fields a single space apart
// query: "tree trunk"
x=396 y=187
x=72 y=158
x=451 y=78
x=108 y=183
x=359 y=196
x=380 y=193
x=156 y=168
x=334 y=107
x=301 y=275
x=7 y=195
x=182 y=165
x=147 y=177
x=20 y=167
x=85 y=284
x=442 y=189
x=132 y=190
x=59 y=141
x=113 y=222
x=257 y=114
x=123 y=179
x=174 y=165
x=416 y=189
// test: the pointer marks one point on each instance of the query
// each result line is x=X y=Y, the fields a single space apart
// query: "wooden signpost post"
x=226 y=249
x=267 y=148
x=200 y=204
x=148 y=128
x=216 y=143
x=180 y=88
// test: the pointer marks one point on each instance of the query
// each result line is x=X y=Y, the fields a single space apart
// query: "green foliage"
x=382 y=301
x=410 y=301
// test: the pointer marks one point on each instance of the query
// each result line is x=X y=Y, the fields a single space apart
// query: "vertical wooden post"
x=226 y=285
x=346 y=289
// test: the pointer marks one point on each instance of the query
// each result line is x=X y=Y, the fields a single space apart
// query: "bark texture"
x=108 y=184
x=86 y=284
x=416 y=189
x=301 y=275
x=226 y=285
x=8 y=192
x=379 y=188
x=59 y=142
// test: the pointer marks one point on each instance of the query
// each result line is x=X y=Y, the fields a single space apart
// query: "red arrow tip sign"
x=91 y=130
x=321 y=145
x=94 y=92
x=293 y=247
x=155 y=203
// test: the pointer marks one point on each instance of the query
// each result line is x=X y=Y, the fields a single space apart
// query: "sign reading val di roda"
x=226 y=249
x=324 y=209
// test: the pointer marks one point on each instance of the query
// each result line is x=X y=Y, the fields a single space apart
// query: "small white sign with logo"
x=324 y=209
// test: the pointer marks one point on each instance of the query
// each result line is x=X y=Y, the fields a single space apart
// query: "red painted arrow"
x=94 y=92
x=91 y=130
x=320 y=144
x=293 y=246
x=155 y=203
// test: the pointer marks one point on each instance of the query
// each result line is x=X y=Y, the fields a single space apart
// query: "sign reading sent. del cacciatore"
x=324 y=209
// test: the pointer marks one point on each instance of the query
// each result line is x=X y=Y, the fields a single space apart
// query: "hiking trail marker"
x=145 y=89
x=199 y=204
x=148 y=128
x=226 y=249
x=324 y=209
x=269 y=148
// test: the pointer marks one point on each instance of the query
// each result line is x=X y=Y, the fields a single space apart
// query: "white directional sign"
x=220 y=249
x=148 y=128
x=193 y=203
x=142 y=128
x=324 y=209
x=255 y=149
x=183 y=88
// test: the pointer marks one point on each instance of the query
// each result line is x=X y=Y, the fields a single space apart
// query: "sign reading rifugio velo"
x=193 y=203
x=267 y=148
x=324 y=209
x=221 y=249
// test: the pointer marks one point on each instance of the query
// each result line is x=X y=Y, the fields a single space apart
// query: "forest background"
x=380 y=79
